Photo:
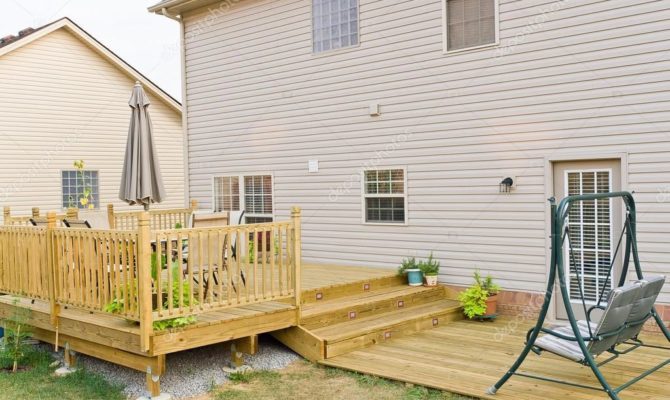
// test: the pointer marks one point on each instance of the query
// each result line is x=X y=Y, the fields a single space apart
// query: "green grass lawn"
x=37 y=382
x=303 y=380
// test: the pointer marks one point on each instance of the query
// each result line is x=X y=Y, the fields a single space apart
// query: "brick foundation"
x=527 y=305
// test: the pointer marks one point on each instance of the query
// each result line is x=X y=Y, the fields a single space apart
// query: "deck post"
x=297 y=257
x=110 y=216
x=6 y=215
x=51 y=268
x=35 y=212
x=144 y=279
x=194 y=205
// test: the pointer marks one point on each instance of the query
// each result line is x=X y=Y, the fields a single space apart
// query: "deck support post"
x=35 y=211
x=144 y=279
x=110 y=216
x=240 y=347
x=297 y=258
x=153 y=383
x=69 y=356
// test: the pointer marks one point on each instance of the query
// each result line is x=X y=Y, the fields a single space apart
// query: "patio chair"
x=38 y=221
x=76 y=223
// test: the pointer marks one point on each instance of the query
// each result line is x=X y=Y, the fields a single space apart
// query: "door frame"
x=549 y=189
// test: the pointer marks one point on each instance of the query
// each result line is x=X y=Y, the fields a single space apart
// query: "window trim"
x=340 y=49
x=364 y=196
x=445 y=31
x=243 y=204
x=62 y=192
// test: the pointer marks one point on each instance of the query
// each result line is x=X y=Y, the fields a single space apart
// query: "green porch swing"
x=625 y=311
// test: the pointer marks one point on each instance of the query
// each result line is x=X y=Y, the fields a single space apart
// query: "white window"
x=590 y=226
x=334 y=24
x=384 y=196
x=251 y=193
x=470 y=23
x=226 y=193
x=80 y=189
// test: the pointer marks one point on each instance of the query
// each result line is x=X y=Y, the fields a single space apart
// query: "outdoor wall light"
x=506 y=185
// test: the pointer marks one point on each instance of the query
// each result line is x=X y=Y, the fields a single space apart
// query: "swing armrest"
x=590 y=310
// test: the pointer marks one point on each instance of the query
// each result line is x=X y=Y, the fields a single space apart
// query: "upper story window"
x=81 y=189
x=334 y=24
x=384 y=196
x=470 y=24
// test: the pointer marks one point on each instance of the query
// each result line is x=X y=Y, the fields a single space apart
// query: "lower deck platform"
x=467 y=357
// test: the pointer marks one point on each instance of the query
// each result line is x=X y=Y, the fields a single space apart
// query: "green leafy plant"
x=86 y=198
x=16 y=334
x=407 y=263
x=116 y=305
x=429 y=267
x=473 y=299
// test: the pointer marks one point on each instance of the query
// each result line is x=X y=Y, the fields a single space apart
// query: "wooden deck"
x=467 y=357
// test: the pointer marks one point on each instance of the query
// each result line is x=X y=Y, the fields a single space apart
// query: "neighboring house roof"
x=29 y=35
x=170 y=8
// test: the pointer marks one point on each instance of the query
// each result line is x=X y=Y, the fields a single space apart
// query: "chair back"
x=615 y=316
x=210 y=220
x=76 y=223
x=39 y=221
x=641 y=311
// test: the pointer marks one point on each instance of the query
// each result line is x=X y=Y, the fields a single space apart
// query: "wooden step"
x=365 y=285
x=328 y=312
x=346 y=336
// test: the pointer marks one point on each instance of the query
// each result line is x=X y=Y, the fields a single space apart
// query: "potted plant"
x=480 y=300
x=411 y=268
x=430 y=269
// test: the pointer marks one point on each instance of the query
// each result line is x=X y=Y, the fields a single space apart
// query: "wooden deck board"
x=467 y=357
x=316 y=276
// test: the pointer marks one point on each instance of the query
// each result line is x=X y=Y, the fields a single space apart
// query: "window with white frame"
x=251 y=193
x=384 y=196
x=226 y=193
x=80 y=189
x=334 y=24
x=470 y=23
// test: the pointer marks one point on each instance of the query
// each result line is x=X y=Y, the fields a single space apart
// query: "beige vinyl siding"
x=61 y=101
x=592 y=77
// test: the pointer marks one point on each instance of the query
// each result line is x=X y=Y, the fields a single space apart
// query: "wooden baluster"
x=297 y=257
x=180 y=274
x=229 y=266
x=189 y=267
x=170 y=283
x=144 y=280
x=272 y=261
x=158 y=240
x=211 y=260
x=255 y=255
x=201 y=275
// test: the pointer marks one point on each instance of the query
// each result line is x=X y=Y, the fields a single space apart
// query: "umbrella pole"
x=146 y=207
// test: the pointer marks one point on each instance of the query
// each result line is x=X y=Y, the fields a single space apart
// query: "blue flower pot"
x=415 y=277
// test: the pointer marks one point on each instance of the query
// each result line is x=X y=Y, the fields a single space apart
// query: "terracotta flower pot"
x=491 y=305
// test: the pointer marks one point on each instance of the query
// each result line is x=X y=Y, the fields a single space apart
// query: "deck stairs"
x=342 y=318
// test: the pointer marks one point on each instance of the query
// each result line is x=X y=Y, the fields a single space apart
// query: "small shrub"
x=17 y=332
x=430 y=266
x=473 y=299
x=407 y=263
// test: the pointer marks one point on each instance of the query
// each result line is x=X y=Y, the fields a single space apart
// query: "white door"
x=594 y=228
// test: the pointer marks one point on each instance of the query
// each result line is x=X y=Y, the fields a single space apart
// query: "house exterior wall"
x=583 y=79
x=61 y=101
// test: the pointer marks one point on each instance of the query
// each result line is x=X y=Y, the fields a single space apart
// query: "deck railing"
x=24 y=220
x=159 y=219
x=147 y=275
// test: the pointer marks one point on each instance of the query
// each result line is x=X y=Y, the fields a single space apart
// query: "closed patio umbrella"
x=141 y=181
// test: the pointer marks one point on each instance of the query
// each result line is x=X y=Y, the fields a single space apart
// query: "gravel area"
x=190 y=373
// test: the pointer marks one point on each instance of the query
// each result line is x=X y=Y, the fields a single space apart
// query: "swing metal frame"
x=559 y=215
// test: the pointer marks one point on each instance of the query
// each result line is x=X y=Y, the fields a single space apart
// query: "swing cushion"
x=618 y=309
x=650 y=289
